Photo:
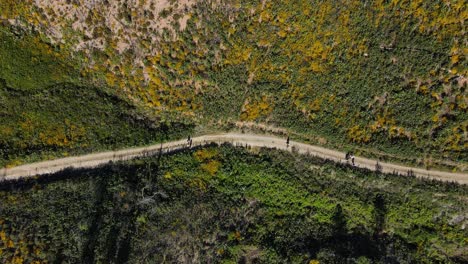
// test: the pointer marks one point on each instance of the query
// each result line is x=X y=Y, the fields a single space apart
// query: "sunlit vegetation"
x=29 y=63
x=387 y=76
x=221 y=204
x=373 y=76
x=256 y=109
x=67 y=119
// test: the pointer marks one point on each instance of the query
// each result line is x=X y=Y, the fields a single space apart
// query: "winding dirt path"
x=254 y=140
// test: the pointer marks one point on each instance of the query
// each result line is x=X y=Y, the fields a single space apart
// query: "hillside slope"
x=67 y=119
x=384 y=75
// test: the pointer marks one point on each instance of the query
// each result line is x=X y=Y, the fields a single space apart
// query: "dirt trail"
x=93 y=160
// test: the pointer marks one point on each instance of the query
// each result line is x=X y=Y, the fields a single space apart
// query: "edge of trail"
x=249 y=139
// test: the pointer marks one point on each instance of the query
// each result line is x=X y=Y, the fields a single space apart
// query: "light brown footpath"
x=93 y=160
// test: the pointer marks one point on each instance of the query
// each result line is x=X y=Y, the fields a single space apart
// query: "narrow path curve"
x=254 y=140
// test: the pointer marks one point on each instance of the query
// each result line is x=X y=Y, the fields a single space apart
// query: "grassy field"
x=230 y=205
x=28 y=63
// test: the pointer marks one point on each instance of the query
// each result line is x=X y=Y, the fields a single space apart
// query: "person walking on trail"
x=352 y=159
x=347 y=156
x=287 y=142
x=189 y=141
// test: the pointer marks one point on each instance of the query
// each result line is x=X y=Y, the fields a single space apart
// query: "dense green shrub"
x=230 y=205
x=67 y=119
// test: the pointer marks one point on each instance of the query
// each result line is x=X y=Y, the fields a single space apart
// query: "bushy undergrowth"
x=67 y=119
x=27 y=62
x=385 y=76
x=232 y=205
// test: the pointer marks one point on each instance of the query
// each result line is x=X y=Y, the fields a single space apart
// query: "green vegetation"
x=66 y=119
x=383 y=77
x=354 y=73
x=29 y=63
x=230 y=205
